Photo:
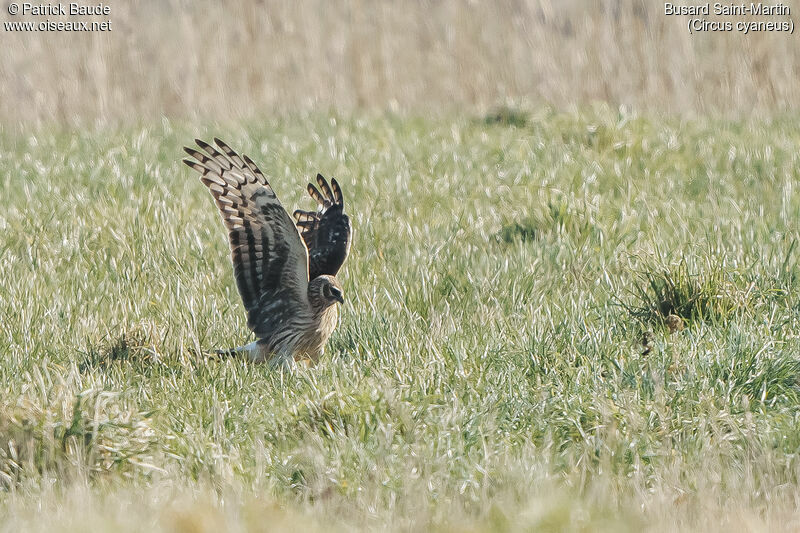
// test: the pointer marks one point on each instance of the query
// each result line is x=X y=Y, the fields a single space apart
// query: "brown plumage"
x=291 y=314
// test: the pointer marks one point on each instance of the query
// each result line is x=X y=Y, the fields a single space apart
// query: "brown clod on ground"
x=674 y=323
x=647 y=347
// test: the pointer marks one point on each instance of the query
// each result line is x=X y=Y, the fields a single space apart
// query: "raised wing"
x=270 y=260
x=326 y=232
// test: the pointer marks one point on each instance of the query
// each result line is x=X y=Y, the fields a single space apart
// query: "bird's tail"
x=254 y=353
x=223 y=354
x=247 y=351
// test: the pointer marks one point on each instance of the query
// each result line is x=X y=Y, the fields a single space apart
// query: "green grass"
x=488 y=372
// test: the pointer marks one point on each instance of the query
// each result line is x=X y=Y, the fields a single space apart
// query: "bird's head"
x=325 y=291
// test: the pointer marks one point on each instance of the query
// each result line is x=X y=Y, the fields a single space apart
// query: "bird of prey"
x=285 y=273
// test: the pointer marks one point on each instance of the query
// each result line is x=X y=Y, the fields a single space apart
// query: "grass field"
x=501 y=363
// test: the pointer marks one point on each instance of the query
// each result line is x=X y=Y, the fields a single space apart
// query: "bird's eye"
x=326 y=290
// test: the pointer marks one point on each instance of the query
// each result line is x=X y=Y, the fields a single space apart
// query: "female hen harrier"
x=291 y=313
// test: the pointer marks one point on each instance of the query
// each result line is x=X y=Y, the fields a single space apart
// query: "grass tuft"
x=714 y=293
x=507 y=116
x=129 y=346
x=85 y=435
x=556 y=218
x=523 y=231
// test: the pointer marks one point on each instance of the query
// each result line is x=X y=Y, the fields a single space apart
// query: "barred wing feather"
x=270 y=260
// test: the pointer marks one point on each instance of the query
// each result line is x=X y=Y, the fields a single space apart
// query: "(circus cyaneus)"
x=291 y=312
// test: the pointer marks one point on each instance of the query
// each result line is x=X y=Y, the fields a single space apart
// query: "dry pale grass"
x=229 y=60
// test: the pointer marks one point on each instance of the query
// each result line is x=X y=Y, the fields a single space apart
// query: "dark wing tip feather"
x=337 y=192
x=194 y=153
x=315 y=194
x=225 y=148
x=213 y=152
x=194 y=165
x=326 y=190
x=299 y=213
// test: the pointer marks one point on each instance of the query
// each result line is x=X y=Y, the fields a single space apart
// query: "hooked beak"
x=339 y=298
